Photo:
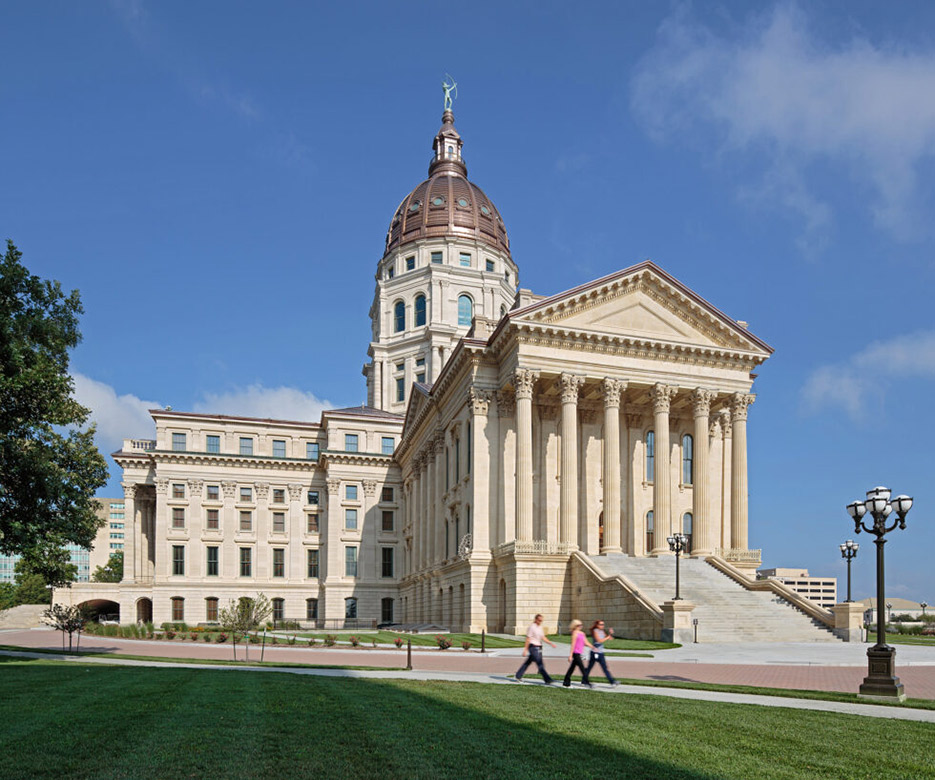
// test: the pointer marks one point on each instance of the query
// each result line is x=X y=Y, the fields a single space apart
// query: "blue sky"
x=217 y=179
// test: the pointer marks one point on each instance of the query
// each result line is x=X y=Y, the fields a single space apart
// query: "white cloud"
x=851 y=385
x=282 y=403
x=116 y=416
x=778 y=90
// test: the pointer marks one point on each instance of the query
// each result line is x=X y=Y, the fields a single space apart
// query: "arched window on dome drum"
x=650 y=456
x=420 y=310
x=687 y=521
x=688 y=459
x=502 y=310
x=399 y=317
x=650 y=531
x=465 y=310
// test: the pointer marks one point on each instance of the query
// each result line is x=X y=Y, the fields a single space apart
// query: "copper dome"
x=447 y=204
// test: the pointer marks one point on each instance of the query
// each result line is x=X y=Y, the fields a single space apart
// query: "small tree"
x=112 y=571
x=67 y=619
x=243 y=616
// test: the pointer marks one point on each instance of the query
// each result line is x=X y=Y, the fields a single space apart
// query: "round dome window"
x=462 y=203
x=415 y=206
x=485 y=211
x=438 y=201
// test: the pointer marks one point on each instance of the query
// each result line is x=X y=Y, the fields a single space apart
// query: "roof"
x=203 y=416
x=363 y=411
x=898 y=604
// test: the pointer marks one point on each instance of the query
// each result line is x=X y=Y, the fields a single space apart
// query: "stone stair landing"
x=725 y=610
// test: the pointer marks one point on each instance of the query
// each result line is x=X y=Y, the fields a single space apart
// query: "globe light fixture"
x=849 y=552
x=881 y=682
x=677 y=544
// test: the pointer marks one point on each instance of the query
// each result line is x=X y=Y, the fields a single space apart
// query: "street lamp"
x=849 y=552
x=889 y=612
x=677 y=544
x=923 y=605
x=880 y=682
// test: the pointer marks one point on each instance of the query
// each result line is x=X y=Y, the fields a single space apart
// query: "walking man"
x=535 y=636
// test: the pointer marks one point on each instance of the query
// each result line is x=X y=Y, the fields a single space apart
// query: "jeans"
x=599 y=658
x=576 y=661
x=535 y=654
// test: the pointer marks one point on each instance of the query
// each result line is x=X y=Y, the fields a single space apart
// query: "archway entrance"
x=144 y=610
x=101 y=610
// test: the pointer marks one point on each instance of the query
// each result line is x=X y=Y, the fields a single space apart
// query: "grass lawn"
x=74 y=721
x=903 y=639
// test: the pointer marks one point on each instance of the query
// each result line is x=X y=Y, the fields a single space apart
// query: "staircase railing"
x=782 y=590
x=651 y=607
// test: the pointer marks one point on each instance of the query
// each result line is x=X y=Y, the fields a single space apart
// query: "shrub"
x=465 y=645
x=312 y=642
x=221 y=638
x=291 y=640
x=254 y=639
x=170 y=634
x=330 y=640
x=206 y=637
x=275 y=641
x=374 y=642
x=355 y=641
x=443 y=642
x=398 y=641
x=193 y=636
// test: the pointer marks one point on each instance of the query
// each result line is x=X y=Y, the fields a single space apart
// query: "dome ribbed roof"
x=447 y=204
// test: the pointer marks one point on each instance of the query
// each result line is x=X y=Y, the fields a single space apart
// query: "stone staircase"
x=725 y=610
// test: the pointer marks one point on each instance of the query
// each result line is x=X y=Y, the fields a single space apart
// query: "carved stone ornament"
x=262 y=490
x=611 y=390
x=701 y=402
x=370 y=487
x=738 y=405
x=334 y=486
x=129 y=490
x=229 y=488
x=295 y=491
x=662 y=396
x=480 y=400
x=438 y=443
x=195 y=486
x=506 y=404
x=162 y=486
x=724 y=419
x=570 y=384
x=523 y=381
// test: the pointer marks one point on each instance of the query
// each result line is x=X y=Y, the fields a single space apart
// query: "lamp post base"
x=881 y=684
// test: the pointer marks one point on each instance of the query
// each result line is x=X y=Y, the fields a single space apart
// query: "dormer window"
x=451 y=151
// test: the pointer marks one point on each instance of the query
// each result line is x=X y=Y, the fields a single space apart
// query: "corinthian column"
x=568 y=497
x=611 y=477
x=132 y=538
x=662 y=500
x=523 y=382
x=738 y=470
x=701 y=504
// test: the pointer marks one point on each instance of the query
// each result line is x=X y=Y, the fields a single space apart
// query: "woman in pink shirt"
x=578 y=641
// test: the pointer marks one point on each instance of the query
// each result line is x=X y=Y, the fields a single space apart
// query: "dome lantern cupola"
x=447 y=146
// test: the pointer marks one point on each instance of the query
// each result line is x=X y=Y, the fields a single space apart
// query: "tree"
x=67 y=619
x=33 y=589
x=243 y=616
x=49 y=467
x=112 y=571
x=7 y=595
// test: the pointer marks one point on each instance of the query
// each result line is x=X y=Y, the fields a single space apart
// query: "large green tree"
x=49 y=466
x=112 y=571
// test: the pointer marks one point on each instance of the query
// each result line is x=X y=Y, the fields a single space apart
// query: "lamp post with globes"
x=880 y=682
x=923 y=605
x=849 y=552
x=677 y=544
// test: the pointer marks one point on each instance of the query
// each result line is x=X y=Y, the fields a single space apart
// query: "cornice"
x=243 y=461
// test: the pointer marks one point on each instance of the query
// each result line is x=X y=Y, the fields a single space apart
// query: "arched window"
x=650 y=531
x=687 y=529
x=399 y=317
x=350 y=609
x=465 y=310
x=650 y=456
x=688 y=459
x=502 y=310
x=420 y=310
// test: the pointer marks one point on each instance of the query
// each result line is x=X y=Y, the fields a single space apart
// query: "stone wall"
x=611 y=602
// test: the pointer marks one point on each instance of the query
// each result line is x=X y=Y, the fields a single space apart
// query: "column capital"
x=570 y=384
x=438 y=443
x=295 y=491
x=701 y=401
x=662 y=396
x=334 y=486
x=738 y=405
x=229 y=487
x=724 y=417
x=162 y=486
x=262 y=490
x=611 y=390
x=523 y=381
x=195 y=486
x=506 y=404
x=129 y=490
x=480 y=400
x=370 y=487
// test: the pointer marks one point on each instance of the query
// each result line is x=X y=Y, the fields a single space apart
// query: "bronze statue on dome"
x=449 y=88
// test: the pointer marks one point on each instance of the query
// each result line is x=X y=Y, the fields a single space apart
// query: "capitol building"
x=518 y=453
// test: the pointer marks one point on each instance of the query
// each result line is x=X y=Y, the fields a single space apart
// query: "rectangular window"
x=465 y=259
x=388 y=521
x=350 y=519
x=279 y=562
x=279 y=609
x=213 y=446
x=311 y=450
x=400 y=366
x=350 y=561
x=506 y=276
x=246 y=445
x=313 y=497
x=214 y=493
x=246 y=521
x=178 y=560
x=246 y=494
x=178 y=517
x=246 y=562
x=420 y=377
x=279 y=522
x=420 y=361
x=116 y=536
x=279 y=448
x=386 y=610
x=178 y=610
x=386 y=494
x=391 y=272
x=178 y=442
x=410 y=263
x=388 y=444
x=213 y=565
x=279 y=495
x=312 y=524
x=350 y=442
x=211 y=610
x=311 y=609
x=178 y=490
x=490 y=266
x=313 y=564
x=350 y=492
x=400 y=389
x=437 y=258
x=386 y=557
x=212 y=521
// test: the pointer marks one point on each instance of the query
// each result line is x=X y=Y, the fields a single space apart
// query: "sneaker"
x=566 y=685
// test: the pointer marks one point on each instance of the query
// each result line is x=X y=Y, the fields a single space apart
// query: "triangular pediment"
x=642 y=303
